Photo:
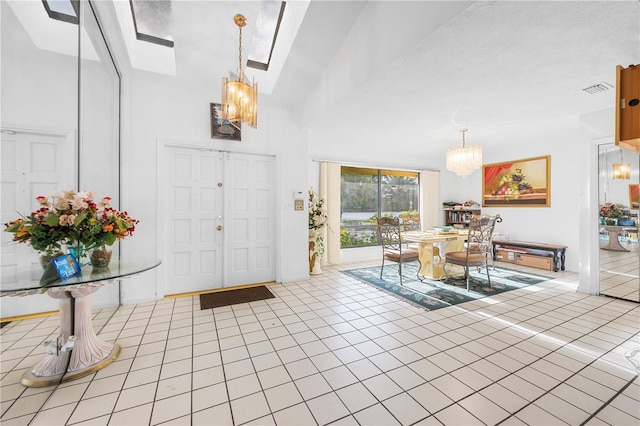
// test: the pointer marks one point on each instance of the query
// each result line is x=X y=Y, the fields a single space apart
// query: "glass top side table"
x=78 y=351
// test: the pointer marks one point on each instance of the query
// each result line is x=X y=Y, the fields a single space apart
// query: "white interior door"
x=249 y=238
x=32 y=165
x=219 y=213
x=193 y=203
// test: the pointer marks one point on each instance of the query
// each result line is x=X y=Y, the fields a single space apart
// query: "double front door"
x=219 y=227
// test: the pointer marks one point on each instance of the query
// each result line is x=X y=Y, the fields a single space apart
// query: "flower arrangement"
x=613 y=210
x=317 y=220
x=71 y=218
x=317 y=211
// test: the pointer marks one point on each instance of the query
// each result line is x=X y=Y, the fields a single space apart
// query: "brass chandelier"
x=464 y=160
x=622 y=170
x=239 y=99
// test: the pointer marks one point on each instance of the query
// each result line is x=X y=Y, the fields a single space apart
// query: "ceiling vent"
x=597 y=88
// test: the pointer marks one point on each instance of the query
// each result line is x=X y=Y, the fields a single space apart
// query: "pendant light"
x=239 y=99
x=464 y=160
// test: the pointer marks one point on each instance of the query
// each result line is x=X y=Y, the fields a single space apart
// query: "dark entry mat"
x=232 y=297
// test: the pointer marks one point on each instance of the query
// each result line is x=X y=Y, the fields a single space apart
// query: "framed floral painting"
x=634 y=196
x=220 y=130
x=517 y=183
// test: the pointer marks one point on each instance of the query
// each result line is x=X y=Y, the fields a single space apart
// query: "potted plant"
x=106 y=226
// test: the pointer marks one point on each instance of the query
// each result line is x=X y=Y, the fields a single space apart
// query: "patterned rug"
x=434 y=294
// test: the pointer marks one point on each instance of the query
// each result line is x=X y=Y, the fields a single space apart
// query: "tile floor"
x=332 y=350
x=619 y=270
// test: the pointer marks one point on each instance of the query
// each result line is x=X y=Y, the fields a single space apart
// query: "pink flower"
x=67 y=220
x=42 y=200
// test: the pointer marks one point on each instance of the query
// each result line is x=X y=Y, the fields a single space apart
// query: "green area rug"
x=434 y=294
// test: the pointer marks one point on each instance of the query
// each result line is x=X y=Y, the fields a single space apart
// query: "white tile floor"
x=332 y=350
x=619 y=270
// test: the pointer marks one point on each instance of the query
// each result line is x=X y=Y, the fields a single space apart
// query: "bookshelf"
x=459 y=216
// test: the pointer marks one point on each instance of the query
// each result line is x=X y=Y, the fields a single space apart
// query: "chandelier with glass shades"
x=239 y=99
x=464 y=160
x=622 y=170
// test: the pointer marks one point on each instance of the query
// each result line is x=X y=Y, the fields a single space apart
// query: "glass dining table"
x=434 y=245
x=77 y=351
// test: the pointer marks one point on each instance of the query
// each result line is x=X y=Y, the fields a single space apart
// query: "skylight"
x=153 y=21
x=265 y=34
x=62 y=10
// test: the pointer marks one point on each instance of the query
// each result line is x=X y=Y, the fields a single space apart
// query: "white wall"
x=561 y=139
x=157 y=112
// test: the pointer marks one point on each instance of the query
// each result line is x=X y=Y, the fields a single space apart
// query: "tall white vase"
x=315 y=253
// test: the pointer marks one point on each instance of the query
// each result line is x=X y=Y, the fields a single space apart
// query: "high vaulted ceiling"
x=430 y=65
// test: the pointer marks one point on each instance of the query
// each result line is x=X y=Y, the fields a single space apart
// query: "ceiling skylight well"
x=62 y=10
x=265 y=34
x=153 y=21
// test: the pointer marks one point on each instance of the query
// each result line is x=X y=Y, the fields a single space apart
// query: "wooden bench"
x=557 y=250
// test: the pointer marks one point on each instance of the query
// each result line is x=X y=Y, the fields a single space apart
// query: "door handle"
x=219 y=227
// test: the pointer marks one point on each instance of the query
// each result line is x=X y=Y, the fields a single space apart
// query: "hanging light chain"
x=240 y=21
x=240 y=73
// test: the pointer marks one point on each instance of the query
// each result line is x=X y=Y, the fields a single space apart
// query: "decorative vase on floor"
x=316 y=245
x=100 y=257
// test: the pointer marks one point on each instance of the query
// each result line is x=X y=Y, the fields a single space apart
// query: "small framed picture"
x=220 y=130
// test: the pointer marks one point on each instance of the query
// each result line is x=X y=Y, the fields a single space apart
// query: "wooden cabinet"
x=628 y=107
x=459 y=216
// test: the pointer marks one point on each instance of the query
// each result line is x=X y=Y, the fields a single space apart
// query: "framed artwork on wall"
x=634 y=196
x=517 y=183
x=220 y=130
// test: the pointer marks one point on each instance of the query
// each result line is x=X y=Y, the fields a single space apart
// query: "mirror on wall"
x=98 y=125
x=60 y=126
x=618 y=197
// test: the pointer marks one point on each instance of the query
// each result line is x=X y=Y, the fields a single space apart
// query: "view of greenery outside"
x=369 y=193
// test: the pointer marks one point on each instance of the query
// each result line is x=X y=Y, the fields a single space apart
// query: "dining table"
x=432 y=246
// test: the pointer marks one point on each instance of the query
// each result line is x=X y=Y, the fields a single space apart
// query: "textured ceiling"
x=454 y=64
x=433 y=67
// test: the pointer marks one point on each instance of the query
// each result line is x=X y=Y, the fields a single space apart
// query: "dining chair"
x=393 y=248
x=478 y=246
x=411 y=222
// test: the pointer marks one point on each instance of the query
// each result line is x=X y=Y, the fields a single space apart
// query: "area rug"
x=233 y=297
x=434 y=294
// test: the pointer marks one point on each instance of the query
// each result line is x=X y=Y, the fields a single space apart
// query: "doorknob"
x=219 y=227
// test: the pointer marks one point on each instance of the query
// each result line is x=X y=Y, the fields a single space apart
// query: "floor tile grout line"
x=134 y=358
x=565 y=380
x=495 y=382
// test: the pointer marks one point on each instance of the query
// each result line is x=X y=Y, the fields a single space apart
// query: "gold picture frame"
x=517 y=183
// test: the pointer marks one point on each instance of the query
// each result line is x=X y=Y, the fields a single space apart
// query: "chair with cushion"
x=478 y=246
x=393 y=249
x=411 y=223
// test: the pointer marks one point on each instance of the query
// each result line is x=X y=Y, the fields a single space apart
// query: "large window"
x=369 y=193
